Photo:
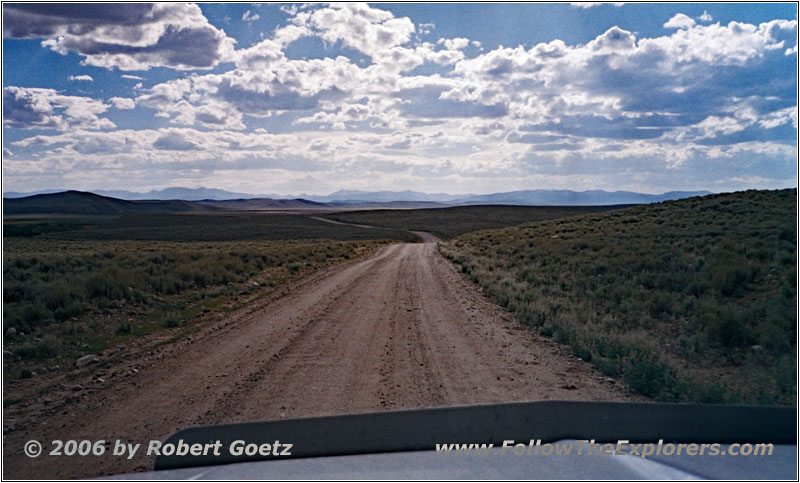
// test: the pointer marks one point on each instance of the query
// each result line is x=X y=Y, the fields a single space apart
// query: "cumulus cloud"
x=616 y=86
x=733 y=44
x=679 y=21
x=122 y=103
x=29 y=108
x=170 y=101
x=357 y=25
x=264 y=84
x=130 y=36
x=650 y=82
x=86 y=78
x=457 y=43
x=131 y=77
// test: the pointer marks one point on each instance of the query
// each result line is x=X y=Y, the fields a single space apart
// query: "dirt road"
x=400 y=329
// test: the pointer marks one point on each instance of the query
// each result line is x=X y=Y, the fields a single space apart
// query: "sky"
x=454 y=98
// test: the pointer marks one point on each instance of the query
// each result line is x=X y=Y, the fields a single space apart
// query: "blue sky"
x=312 y=98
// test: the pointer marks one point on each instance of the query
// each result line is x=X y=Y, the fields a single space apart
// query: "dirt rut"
x=401 y=329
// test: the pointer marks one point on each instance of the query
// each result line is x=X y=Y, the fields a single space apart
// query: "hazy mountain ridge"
x=522 y=197
x=357 y=196
x=179 y=193
x=582 y=198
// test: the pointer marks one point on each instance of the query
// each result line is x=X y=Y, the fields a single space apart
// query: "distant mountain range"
x=574 y=198
x=524 y=197
x=354 y=196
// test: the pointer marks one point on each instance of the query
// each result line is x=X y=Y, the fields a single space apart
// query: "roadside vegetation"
x=691 y=300
x=64 y=299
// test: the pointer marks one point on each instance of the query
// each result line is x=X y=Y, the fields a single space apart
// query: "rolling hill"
x=686 y=301
x=83 y=203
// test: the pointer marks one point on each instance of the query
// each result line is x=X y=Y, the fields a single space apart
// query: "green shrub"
x=729 y=329
x=582 y=352
x=172 y=320
x=730 y=273
x=74 y=309
x=47 y=348
x=660 y=305
x=648 y=375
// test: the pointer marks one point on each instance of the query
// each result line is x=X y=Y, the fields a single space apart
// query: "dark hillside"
x=83 y=203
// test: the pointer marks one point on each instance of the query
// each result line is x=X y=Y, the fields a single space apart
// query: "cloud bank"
x=686 y=109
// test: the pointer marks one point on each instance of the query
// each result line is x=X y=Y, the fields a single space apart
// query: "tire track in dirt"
x=398 y=330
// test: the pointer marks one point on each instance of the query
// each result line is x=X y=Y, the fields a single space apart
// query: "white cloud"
x=86 y=78
x=170 y=100
x=122 y=103
x=548 y=84
x=260 y=56
x=289 y=33
x=131 y=36
x=131 y=77
x=779 y=118
x=705 y=17
x=444 y=57
x=733 y=44
x=426 y=28
x=595 y=4
x=679 y=21
x=457 y=43
x=357 y=25
x=289 y=9
x=248 y=17
x=28 y=108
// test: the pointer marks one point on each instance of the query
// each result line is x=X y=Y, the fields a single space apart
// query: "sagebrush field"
x=68 y=298
x=450 y=222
